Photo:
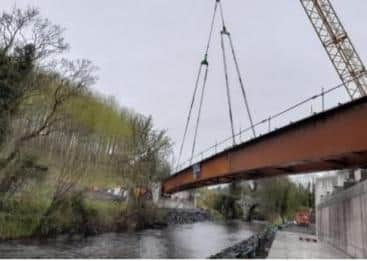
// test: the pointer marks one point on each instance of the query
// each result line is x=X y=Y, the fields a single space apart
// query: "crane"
x=338 y=46
x=334 y=38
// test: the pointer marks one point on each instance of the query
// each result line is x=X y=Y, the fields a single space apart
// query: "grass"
x=20 y=218
x=22 y=214
x=15 y=226
x=107 y=211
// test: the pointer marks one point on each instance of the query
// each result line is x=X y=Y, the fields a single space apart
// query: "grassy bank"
x=20 y=218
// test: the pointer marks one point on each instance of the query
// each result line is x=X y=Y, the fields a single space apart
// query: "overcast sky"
x=148 y=53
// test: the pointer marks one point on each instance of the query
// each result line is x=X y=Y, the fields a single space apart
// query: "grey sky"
x=148 y=53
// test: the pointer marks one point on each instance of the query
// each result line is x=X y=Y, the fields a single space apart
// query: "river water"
x=199 y=240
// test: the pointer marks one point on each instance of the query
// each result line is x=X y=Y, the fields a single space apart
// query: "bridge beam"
x=335 y=139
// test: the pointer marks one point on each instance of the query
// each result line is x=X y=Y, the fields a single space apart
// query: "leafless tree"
x=25 y=34
x=69 y=81
x=144 y=159
x=19 y=28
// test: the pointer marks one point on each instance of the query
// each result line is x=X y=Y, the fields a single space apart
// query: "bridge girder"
x=335 y=139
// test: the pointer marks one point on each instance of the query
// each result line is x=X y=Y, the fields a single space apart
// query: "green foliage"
x=70 y=216
x=222 y=203
x=101 y=116
x=227 y=205
x=15 y=226
x=281 y=198
x=105 y=212
x=101 y=176
x=14 y=70
x=24 y=169
x=140 y=215
x=147 y=151
x=19 y=218
x=48 y=115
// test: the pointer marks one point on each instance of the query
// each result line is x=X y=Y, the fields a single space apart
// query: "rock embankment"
x=186 y=216
x=256 y=246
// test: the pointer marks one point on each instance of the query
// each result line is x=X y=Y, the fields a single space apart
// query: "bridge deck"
x=334 y=139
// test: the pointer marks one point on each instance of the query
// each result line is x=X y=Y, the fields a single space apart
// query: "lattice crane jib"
x=338 y=46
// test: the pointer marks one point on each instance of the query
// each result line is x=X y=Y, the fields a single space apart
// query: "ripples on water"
x=199 y=240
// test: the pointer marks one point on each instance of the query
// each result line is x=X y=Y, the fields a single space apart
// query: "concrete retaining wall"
x=341 y=220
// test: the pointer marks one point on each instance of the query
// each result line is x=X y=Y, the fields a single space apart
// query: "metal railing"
x=266 y=126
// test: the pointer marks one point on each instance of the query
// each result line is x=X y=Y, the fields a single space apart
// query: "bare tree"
x=144 y=159
x=19 y=28
x=69 y=81
x=27 y=43
x=74 y=79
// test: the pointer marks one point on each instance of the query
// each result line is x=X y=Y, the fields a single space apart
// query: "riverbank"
x=100 y=218
x=186 y=216
x=256 y=246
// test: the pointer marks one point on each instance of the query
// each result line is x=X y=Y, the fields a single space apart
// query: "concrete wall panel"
x=342 y=220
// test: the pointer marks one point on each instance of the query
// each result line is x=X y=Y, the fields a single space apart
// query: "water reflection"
x=198 y=240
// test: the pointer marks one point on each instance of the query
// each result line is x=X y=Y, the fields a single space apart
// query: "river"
x=199 y=240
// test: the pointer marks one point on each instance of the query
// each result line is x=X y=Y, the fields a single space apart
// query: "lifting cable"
x=199 y=113
x=226 y=33
x=190 y=111
x=227 y=84
x=242 y=86
x=204 y=63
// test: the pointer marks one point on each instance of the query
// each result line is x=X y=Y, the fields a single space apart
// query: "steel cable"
x=190 y=112
x=241 y=85
x=227 y=86
x=204 y=62
x=225 y=32
x=199 y=113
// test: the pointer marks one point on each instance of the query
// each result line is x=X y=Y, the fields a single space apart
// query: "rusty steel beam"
x=334 y=139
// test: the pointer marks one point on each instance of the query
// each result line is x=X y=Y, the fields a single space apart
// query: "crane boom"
x=338 y=46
